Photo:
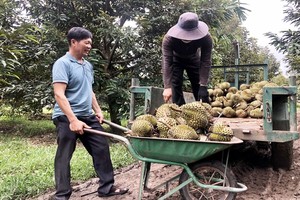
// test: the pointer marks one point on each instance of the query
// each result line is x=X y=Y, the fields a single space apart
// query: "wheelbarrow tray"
x=176 y=150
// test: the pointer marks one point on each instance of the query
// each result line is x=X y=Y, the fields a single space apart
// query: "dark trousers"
x=96 y=145
x=177 y=81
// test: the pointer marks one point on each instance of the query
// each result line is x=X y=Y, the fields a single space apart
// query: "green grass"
x=27 y=169
x=24 y=127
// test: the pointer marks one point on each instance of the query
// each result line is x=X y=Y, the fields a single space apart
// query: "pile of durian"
x=193 y=120
x=247 y=101
x=187 y=122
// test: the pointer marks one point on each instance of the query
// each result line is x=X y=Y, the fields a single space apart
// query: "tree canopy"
x=288 y=42
x=127 y=40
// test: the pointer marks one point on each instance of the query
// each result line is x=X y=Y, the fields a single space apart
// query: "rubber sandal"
x=114 y=191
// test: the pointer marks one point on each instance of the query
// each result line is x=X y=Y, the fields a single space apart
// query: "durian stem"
x=176 y=109
x=165 y=124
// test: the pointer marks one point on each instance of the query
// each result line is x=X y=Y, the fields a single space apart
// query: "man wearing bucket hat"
x=186 y=46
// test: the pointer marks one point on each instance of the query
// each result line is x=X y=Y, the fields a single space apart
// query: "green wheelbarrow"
x=199 y=179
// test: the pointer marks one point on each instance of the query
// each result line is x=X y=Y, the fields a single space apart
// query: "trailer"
x=278 y=127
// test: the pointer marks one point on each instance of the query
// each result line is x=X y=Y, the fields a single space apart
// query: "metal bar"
x=115 y=125
x=176 y=189
x=146 y=174
x=241 y=188
x=246 y=65
x=236 y=77
x=293 y=105
x=248 y=76
x=226 y=165
x=266 y=72
x=134 y=82
x=166 y=182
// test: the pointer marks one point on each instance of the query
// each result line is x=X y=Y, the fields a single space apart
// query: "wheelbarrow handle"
x=116 y=125
x=118 y=137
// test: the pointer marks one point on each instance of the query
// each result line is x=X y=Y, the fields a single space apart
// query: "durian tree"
x=288 y=40
x=126 y=44
x=25 y=57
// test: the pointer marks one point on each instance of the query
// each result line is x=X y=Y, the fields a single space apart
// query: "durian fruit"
x=256 y=113
x=228 y=112
x=216 y=104
x=244 y=86
x=182 y=131
x=164 y=124
x=221 y=99
x=255 y=88
x=241 y=105
x=247 y=95
x=249 y=109
x=227 y=103
x=141 y=128
x=208 y=110
x=256 y=103
x=210 y=92
x=270 y=85
x=241 y=113
x=218 y=92
x=216 y=111
x=232 y=90
x=163 y=111
x=259 y=97
x=224 y=86
x=174 y=110
x=195 y=115
x=207 y=106
x=262 y=83
x=180 y=120
x=236 y=98
x=167 y=110
x=229 y=94
x=220 y=132
x=152 y=119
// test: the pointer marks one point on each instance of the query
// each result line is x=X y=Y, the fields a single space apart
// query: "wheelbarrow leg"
x=144 y=178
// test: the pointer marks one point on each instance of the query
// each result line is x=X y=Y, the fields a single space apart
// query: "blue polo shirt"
x=79 y=78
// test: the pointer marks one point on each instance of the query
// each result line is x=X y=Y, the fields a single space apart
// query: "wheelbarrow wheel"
x=208 y=173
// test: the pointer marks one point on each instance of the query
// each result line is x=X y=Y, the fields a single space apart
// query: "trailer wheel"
x=209 y=173
x=282 y=155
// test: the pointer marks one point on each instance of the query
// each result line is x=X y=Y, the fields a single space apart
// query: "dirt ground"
x=251 y=168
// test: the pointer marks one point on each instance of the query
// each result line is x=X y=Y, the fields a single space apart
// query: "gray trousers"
x=96 y=145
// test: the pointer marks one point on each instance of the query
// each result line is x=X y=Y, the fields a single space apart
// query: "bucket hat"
x=188 y=27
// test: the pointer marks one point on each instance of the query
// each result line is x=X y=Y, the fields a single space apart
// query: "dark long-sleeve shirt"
x=173 y=47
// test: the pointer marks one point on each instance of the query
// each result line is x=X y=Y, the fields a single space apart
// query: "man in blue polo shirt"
x=77 y=108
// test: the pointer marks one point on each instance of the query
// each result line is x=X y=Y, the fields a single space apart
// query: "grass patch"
x=25 y=127
x=28 y=170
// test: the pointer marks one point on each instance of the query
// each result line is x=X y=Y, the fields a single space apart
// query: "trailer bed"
x=242 y=123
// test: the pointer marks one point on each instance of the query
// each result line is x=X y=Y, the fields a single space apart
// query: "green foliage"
x=288 y=41
x=127 y=40
x=280 y=80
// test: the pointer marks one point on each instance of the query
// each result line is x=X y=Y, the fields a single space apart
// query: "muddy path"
x=250 y=165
